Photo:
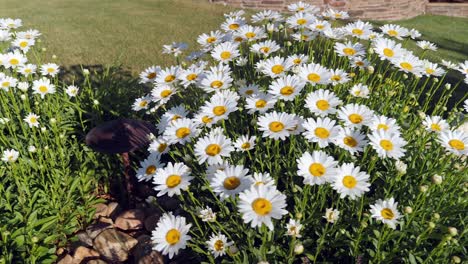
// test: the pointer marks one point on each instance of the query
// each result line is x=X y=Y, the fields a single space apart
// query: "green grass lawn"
x=132 y=33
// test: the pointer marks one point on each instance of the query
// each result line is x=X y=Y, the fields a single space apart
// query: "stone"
x=130 y=220
x=152 y=221
x=84 y=253
x=143 y=252
x=106 y=220
x=96 y=261
x=84 y=238
x=95 y=229
x=67 y=259
x=101 y=210
x=113 y=210
x=114 y=245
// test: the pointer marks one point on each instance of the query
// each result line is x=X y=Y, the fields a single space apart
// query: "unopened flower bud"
x=298 y=249
x=456 y=259
x=54 y=57
x=436 y=216
x=408 y=209
x=423 y=188
x=437 y=179
x=431 y=225
x=452 y=231
x=233 y=250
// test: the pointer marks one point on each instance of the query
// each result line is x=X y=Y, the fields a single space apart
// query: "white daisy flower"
x=27 y=69
x=159 y=146
x=395 y=31
x=320 y=130
x=360 y=90
x=449 y=64
x=267 y=16
x=432 y=69
x=171 y=115
x=338 y=76
x=210 y=39
x=332 y=215
x=50 y=69
x=230 y=181
x=248 y=90
x=10 y=155
x=14 y=60
x=317 y=168
x=218 y=245
x=359 y=62
x=414 y=34
x=300 y=20
x=301 y=7
x=32 y=120
x=215 y=81
x=380 y=122
x=259 y=178
x=293 y=228
x=225 y=52
x=351 y=140
x=7 y=82
x=387 y=144
x=259 y=204
x=426 y=45
x=220 y=107
x=213 y=148
x=149 y=167
x=23 y=44
x=172 y=179
x=286 y=87
x=409 y=63
x=455 y=142
x=350 y=49
x=167 y=75
x=350 y=181
x=275 y=67
x=23 y=86
x=174 y=48
x=387 y=48
x=319 y=26
x=171 y=234
x=181 y=131
x=10 y=23
x=72 y=90
x=250 y=33
x=245 y=143
x=386 y=211
x=355 y=115
x=277 y=125
x=335 y=14
x=435 y=124
x=260 y=102
x=297 y=59
x=43 y=87
x=213 y=168
x=207 y=215
x=162 y=93
x=232 y=24
x=203 y=119
x=141 y=103
x=322 y=102
x=28 y=34
x=265 y=48
x=314 y=74
x=149 y=74
x=359 y=29
x=192 y=75
x=463 y=67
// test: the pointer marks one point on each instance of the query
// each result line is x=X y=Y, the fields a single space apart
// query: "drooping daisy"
x=265 y=48
x=50 y=69
x=245 y=143
x=72 y=90
x=395 y=31
x=317 y=167
x=259 y=204
x=387 y=48
x=32 y=120
x=320 y=130
x=360 y=90
x=455 y=141
x=387 y=144
x=230 y=181
x=171 y=234
x=10 y=155
x=276 y=125
x=332 y=215
x=314 y=74
x=218 y=245
x=350 y=49
x=181 y=131
x=350 y=181
x=351 y=140
x=42 y=87
x=213 y=148
x=149 y=167
x=293 y=228
x=386 y=211
x=355 y=115
x=159 y=146
x=359 y=29
x=260 y=102
x=167 y=75
x=435 y=124
x=322 y=102
x=262 y=179
x=426 y=45
x=172 y=179
x=338 y=76
x=225 y=52
x=276 y=67
x=287 y=87
x=149 y=74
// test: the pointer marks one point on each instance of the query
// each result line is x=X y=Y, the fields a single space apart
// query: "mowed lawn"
x=132 y=32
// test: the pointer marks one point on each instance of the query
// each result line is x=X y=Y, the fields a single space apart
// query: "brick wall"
x=368 y=9
x=448 y=9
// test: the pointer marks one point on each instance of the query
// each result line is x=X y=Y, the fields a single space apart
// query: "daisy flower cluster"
x=288 y=125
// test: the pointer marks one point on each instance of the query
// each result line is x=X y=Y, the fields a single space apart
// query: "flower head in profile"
x=10 y=155
x=332 y=215
x=293 y=228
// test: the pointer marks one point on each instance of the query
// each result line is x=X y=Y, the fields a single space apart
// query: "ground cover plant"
x=289 y=138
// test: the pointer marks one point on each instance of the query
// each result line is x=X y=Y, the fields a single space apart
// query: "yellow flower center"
x=249 y=92
x=219 y=110
x=234 y=26
x=429 y=71
x=260 y=103
x=143 y=103
x=182 y=132
x=349 y=181
x=162 y=147
x=358 y=31
x=265 y=49
x=457 y=144
x=388 y=52
x=23 y=44
x=276 y=126
x=245 y=145
x=392 y=33
x=313 y=77
x=213 y=150
x=14 y=61
x=320 y=27
x=173 y=180
x=322 y=133
x=172 y=236
x=6 y=84
x=50 y=70
x=250 y=35
x=225 y=55
x=231 y=183
x=33 y=120
x=407 y=66
x=349 y=51
x=322 y=105
x=355 y=118
x=218 y=245
x=169 y=78
x=387 y=213
x=151 y=75
x=386 y=144
x=277 y=69
x=207 y=119
x=382 y=126
x=336 y=78
x=43 y=89
x=262 y=206
x=238 y=39
x=150 y=170
x=436 y=127
x=27 y=70
x=211 y=39
x=350 y=141
x=287 y=90
x=297 y=61
x=165 y=93
x=317 y=169
x=301 y=21
x=216 y=84
x=192 y=77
